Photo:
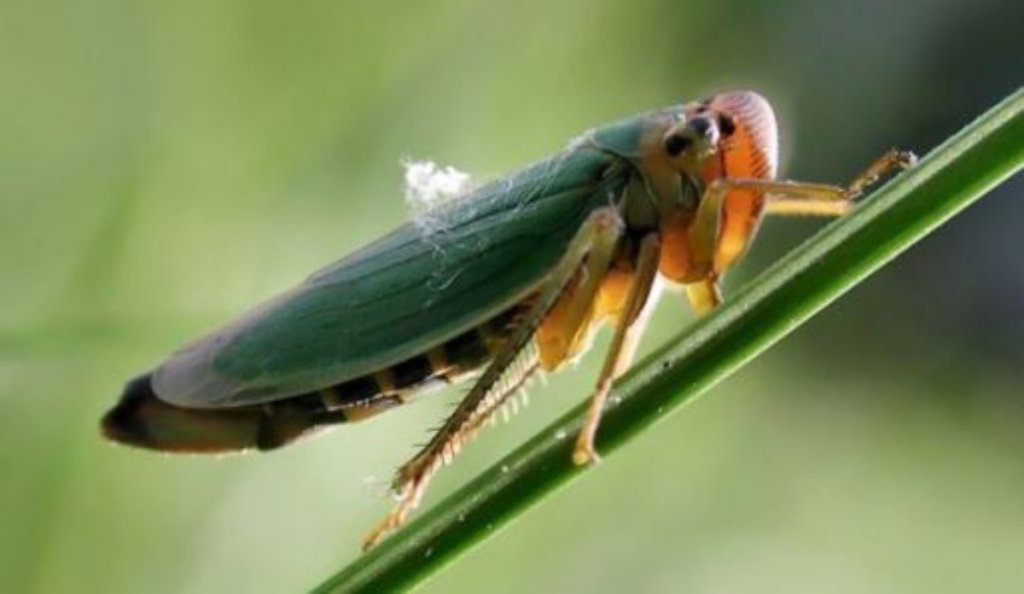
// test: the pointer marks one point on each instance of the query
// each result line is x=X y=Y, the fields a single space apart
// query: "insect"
x=507 y=281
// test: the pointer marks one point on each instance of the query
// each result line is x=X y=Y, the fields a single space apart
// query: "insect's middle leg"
x=589 y=256
x=628 y=327
x=704 y=295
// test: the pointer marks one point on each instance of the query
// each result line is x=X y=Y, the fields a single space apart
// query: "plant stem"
x=947 y=180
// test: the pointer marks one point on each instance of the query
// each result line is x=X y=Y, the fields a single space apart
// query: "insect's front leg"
x=800 y=198
x=731 y=209
x=591 y=251
x=894 y=160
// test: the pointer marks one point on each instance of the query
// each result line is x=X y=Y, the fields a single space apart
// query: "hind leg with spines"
x=590 y=254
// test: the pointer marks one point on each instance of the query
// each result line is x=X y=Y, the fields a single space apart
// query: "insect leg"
x=741 y=202
x=782 y=195
x=704 y=295
x=893 y=160
x=717 y=217
x=592 y=251
x=834 y=200
x=628 y=327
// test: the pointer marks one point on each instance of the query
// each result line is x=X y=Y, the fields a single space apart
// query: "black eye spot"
x=726 y=125
x=700 y=126
x=676 y=144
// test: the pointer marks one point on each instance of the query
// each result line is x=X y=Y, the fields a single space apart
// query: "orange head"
x=731 y=136
x=752 y=149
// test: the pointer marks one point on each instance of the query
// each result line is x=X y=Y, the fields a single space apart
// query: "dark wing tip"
x=125 y=422
x=141 y=419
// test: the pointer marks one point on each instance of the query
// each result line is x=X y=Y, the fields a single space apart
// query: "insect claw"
x=584 y=455
x=904 y=158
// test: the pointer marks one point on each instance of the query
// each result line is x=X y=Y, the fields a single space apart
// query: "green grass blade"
x=947 y=180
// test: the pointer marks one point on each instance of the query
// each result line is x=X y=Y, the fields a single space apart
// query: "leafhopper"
x=502 y=283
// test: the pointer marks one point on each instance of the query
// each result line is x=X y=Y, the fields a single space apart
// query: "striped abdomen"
x=446 y=363
x=142 y=419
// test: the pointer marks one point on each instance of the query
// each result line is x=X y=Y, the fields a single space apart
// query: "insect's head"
x=728 y=135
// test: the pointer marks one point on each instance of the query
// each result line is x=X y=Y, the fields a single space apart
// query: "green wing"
x=422 y=284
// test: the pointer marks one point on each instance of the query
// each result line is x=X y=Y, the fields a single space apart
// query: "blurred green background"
x=163 y=166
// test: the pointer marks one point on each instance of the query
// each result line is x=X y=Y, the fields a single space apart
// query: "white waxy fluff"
x=427 y=184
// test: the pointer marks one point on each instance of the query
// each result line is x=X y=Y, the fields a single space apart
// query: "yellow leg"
x=809 y=208
x=832 y=201
x=565 y=329
x=777 y=192
x=731 y=208
x=628 y=326
x=893 y=160
x=719 y=235
x=704 y=296
x=592 y=250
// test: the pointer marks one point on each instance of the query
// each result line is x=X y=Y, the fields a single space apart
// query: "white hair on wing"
x=428 y=187
x=428 y=184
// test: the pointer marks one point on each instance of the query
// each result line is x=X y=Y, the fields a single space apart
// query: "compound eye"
x=675 y=144
x=726 y=125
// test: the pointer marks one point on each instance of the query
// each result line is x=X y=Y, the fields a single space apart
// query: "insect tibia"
x=443 y=449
